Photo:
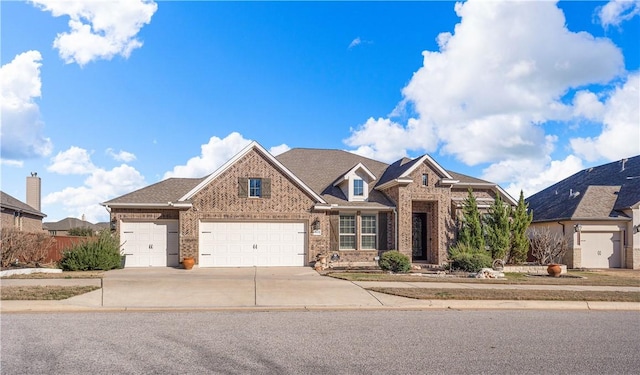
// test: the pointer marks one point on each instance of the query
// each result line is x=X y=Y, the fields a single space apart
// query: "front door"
x=418 y=236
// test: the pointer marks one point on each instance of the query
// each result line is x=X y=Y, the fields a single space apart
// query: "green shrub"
x=466 y=258
x=394 y=261
x=100 y=253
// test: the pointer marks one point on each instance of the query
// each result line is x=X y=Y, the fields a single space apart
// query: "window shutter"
x=334 y=231
x=266 y=188
x=243 y=187
x=382 y=231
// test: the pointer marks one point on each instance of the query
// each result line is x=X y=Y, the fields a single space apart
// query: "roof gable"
x=253 y=146
x=354 y=170
x=403 y=168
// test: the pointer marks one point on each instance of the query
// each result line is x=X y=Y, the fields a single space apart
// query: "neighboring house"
x=598 y=212
x=62 y=227
x=19 y=215
x=261 y=210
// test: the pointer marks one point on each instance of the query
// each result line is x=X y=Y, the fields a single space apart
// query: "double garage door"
x=150 y=244
x=601 y=249
x=248 y=244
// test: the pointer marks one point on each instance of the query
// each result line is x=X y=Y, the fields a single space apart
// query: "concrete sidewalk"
x=269 y=288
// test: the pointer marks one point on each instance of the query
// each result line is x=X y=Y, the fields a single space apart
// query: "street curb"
x=425 y=305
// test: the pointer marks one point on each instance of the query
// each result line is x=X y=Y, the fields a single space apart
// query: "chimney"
x=34 y=191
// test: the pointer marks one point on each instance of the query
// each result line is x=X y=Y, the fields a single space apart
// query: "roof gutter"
x=167 y=205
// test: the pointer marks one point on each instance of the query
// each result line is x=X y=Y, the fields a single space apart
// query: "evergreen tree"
x=519 y=239
x=470 y=231
x=497 y=226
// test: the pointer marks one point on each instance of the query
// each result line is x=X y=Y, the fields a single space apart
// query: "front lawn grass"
x=49 y=292
x=597 y=278
x=61 y=275
x=509 y=294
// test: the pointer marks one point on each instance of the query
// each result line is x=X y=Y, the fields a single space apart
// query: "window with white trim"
x=368 y=232
x=255 y=187
x=358 y=187
x=347 y=232
x=425 y=179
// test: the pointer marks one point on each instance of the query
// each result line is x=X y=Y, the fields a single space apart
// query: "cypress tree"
x=519 y=240
x=470 y=232
x=498 y=229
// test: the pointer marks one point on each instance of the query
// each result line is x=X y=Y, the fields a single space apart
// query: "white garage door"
x=150 y=244
x=251 y=244
x=601 y=249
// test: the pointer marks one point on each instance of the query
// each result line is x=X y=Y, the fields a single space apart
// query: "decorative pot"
x=554 y=270
x=188 y=263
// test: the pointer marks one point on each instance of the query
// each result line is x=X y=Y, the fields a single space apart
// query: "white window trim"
x=354 y=235
x=249 y=190
x=374 y=234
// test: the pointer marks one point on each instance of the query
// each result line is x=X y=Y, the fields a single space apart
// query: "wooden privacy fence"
x=60 y=244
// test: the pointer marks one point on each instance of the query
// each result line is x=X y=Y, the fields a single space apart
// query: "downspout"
x=562 y=228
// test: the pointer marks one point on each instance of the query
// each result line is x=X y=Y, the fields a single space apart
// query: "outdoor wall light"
x=636 y=229
x=315 y=225
x=577 y=228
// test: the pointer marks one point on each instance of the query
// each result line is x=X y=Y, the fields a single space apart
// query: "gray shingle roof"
x=597 y=192
x=69 y=223
x=319 y=169
x=169 y=190
x=11 y=203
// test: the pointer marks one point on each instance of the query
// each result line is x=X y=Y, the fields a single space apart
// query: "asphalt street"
x=322 y=342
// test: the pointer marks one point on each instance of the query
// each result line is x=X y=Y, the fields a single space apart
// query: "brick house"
x=19 y=215
x=261 y=210
x=597 y=211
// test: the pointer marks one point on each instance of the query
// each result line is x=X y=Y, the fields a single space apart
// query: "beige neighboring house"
x=19 y=215
x=597 y=210
x=262 y=210
x=62 y=227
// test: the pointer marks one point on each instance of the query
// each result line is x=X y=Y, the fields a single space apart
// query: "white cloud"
x=75 y=160
x=121 y=155
x=101 y=185
x=213 y=155
x=277 y=150
x=22 y=128
x=99 y=29
x=387 y=140
x=495 y=80
x=12 y=163
x=355 y=42
x=620 y=116
x=532 y=175
x=617 y=11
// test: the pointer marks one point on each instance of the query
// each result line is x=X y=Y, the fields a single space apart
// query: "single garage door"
x=150 y=244
x=601 y=249
x=251 y=244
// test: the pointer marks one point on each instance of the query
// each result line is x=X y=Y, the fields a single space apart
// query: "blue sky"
x=104 y=98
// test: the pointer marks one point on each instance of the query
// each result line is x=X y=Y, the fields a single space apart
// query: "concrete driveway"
x=229 y=287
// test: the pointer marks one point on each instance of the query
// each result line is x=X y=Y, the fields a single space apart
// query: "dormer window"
x=355 y=183
x=358 y=187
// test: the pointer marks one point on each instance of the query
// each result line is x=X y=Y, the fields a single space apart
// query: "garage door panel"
x=601 y=249
x=250 y=244
x=150 y=244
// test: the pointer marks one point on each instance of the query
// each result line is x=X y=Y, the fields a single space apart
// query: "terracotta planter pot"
x=188 y=263
x=554 y=270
